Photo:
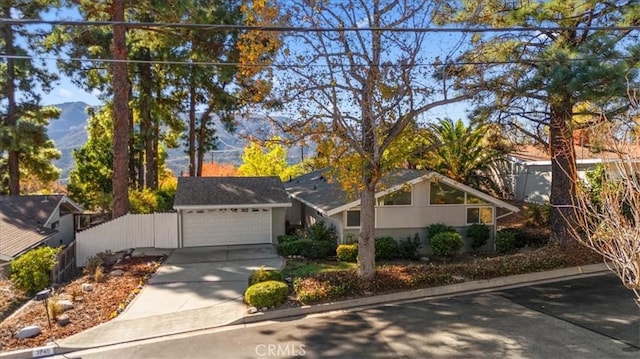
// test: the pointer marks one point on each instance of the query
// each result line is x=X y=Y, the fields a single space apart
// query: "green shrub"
x=31 y=271
x=505 y=241
x=266 y=294
x=263 y=275
x=320 y=232
x=538 y=215
x=446 y=244
x=308 y=249
x=286 y=238
x=319 y=250
x=437 y=228
x=386 y=248
x=479 y=234
x=293 y=248
x=347 y=252
x=408 y=248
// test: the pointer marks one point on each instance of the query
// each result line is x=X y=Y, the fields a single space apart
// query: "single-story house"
x=526 y=174
x=407 y=202
x=30 y=221
x=230 y=210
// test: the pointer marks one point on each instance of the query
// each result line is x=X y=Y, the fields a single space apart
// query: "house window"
x=401 y=197
x=444 y=194
x=479 y=215
x=353 y=218
x=474 y=200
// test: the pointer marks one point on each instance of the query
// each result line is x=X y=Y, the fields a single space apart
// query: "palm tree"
x=466 y=154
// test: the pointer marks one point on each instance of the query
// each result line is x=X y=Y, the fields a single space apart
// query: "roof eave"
x=220 y=206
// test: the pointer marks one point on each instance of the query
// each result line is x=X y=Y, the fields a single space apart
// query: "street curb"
x=484 y=285
x=518 y=280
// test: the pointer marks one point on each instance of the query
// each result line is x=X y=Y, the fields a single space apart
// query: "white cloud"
x=96 y=92
x=65 y=93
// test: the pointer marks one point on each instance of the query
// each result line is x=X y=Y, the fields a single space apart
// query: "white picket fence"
x=157 y=230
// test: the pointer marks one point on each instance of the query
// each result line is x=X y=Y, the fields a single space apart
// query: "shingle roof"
x=325 y=194
x=537 y=153
x=315 y=190
x=21 y=222
x=230 y=191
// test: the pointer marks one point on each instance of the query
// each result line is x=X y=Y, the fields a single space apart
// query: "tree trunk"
x=192 y=127
x=366 y=237
x=201 y=139
x=136 y=161
x=12 y=116
x=120 y=113
x=563 y=173
x=147 y=129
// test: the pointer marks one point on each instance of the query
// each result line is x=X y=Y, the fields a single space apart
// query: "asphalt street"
x=592 y=317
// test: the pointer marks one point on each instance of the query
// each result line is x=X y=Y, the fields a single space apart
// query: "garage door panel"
x=227 y=227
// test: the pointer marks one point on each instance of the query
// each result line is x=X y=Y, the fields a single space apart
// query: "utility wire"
x=128 y=24
x=285 y=66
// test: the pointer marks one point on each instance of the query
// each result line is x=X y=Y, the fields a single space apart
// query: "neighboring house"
x=526 y=175
x=407 y=202
x=30 y=221
x=230 y=210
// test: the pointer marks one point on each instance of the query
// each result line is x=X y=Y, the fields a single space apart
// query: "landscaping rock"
x=288 y=280
x=63 y=320
x=252 y=310
x=116 y=273
x=424 y=259
x=28 y=332
x=65 y=305
x=457 y=278
x=264 y=309
x=87 y=287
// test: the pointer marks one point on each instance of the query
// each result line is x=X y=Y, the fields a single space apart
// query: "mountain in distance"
x=69 y=132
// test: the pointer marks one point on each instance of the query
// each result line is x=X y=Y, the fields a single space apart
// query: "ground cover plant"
x=315 y=282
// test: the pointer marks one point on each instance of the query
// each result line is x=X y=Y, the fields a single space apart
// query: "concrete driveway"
x=202 y=277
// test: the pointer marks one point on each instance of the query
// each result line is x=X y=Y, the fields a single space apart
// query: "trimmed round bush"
x=386 y=248
x=437 y=228
x=446 y=244
x=266 y=294
x=347 y=252
x=505 y=241
x=479 y=234
x=263 y=275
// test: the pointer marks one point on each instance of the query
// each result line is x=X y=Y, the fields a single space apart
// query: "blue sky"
x=66 y=91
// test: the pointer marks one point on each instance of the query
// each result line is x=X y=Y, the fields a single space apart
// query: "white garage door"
x=226 y=227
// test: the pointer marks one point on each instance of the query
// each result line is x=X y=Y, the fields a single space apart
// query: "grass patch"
x=303 y=268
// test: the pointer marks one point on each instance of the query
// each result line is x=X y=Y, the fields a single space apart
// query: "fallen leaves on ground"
x=90 y=308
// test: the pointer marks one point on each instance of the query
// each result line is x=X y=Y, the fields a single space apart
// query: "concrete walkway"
x=195 y=288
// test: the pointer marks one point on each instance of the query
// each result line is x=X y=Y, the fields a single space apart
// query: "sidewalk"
x=124 y=331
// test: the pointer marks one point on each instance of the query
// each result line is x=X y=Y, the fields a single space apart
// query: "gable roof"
x=23 y=220
x=223 y=192
x=328 y=197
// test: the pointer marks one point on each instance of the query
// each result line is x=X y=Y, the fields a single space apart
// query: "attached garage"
x=230 y=210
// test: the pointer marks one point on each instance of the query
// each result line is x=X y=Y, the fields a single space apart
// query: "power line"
x=219 y=27
x=285 y=66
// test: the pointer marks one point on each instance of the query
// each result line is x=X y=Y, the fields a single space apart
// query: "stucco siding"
x=66 y=231
x=277 y=224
